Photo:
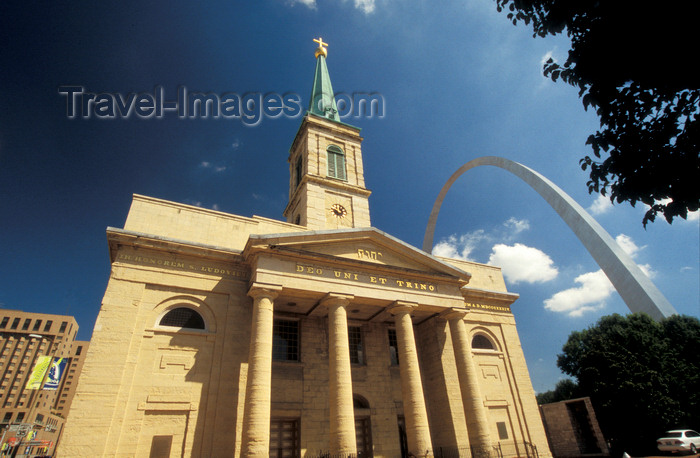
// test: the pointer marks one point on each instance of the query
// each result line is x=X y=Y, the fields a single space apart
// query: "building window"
x=183 y=317
x=502 y=430
x=393 y=348
x=336 y=162
x=37 y=325
x=26 y=324
x=3 y=323
x=15 y=323
x=20 y=417
x=78 y=350
x=482 y=342
x=363 y=426
x=7 y=418
x=47 y=328
x=363 y=436
x=62 y=329
x=285 y=340
x=284 y=438
x=356 y=348
x=403 y=440
x=160 y=446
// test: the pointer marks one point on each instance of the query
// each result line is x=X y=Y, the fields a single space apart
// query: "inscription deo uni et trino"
x=355 y=276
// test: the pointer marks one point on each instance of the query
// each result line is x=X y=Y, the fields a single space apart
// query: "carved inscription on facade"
x=494 y=308
x=329 y=272
x=369 y=254
x=180 y=265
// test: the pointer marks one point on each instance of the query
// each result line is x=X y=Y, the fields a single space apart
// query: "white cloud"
x=517 y=225
x=694 y=216
x=209 y=165
x=548 y=55
x=462 y=246
x=628 y=245
x=366 y=6
x=600 y=205
x=590 y=296
x=595 y=288
x=520 y=263
x=310 y=3
x=631 y=248
x=459 y=247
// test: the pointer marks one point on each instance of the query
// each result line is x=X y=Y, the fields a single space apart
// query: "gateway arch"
x=635 y=288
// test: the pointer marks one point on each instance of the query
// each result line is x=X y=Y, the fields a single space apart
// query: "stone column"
x=342 y=415
x=256 y=413
x=417 y=429
x=474 y=410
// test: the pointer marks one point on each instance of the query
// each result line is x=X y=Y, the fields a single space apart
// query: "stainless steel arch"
x=635 y=288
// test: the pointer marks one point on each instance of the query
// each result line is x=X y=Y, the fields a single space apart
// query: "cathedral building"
x=223 y=335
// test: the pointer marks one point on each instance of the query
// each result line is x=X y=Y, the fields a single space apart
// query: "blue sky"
x=459 y=81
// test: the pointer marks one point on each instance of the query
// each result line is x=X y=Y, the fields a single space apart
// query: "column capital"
x=336 y=299
x=454 y=314
x=398 y=307
x=264 y=290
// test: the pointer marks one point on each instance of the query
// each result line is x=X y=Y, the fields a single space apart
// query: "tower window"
x=336 y=163
x=298 y=170
x=183 y=317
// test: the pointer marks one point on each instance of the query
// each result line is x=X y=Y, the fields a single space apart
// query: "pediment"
x=368 y=246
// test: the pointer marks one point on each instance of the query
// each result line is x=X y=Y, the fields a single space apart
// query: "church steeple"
x=327 y=183
x=322 y=101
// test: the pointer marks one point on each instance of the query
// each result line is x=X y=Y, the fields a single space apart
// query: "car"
x=679 y=440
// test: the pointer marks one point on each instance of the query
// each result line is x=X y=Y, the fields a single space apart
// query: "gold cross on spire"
x=320 y=50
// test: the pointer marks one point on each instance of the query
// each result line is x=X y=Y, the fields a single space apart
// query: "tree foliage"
x=564 y=390
x=643 y=376
x=630 y=62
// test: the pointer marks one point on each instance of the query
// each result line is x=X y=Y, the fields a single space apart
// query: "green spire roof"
x=322 y=100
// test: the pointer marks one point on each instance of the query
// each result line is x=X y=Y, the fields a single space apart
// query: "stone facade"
x=222 y=335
